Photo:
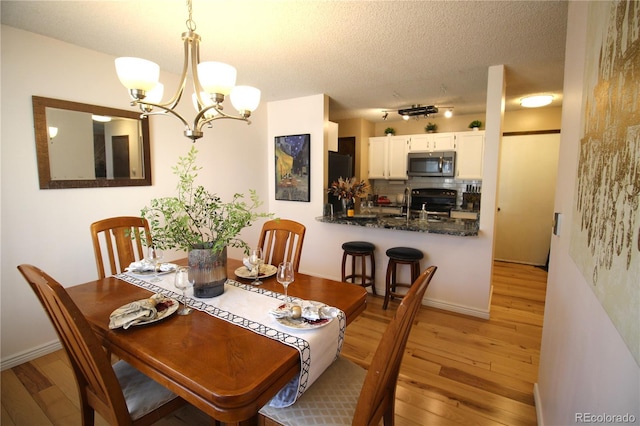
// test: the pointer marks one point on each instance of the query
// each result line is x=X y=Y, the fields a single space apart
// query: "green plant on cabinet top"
x=475 y=123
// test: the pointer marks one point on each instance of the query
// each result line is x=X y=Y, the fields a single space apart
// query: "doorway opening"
x=526 y=196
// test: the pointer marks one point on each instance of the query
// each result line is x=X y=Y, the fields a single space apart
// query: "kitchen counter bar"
x=447 y=226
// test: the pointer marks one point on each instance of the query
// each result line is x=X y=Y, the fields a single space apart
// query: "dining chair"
x=347 y=394
x=123 y=241
x=281 y=240
x=119 y=393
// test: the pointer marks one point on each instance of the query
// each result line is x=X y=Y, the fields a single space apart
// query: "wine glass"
x=155 y=256
x=285 y=276
x=255 y=259
x=182 y=282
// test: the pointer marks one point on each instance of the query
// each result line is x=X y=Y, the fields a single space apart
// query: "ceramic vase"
x=208 y=270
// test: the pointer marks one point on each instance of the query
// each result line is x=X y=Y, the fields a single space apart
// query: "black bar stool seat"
x=400 y=256
x=359 y=250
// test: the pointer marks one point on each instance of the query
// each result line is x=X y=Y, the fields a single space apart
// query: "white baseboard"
x=29 y=355
x=446 y=306
x=465 y=310
x=538 y=401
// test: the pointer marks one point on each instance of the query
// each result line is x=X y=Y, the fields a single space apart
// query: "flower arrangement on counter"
x=348 y=188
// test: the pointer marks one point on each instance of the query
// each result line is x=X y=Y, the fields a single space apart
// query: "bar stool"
x=400 y=256
x=361 y=250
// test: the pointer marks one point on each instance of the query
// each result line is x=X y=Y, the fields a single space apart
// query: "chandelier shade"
x=217 y=77
x=154 y=95
x=245 y=98
x=137 y=74
x=211 y=82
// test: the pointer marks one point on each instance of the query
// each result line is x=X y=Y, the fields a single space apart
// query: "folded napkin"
x=245 y=262
x=146 y=266
x=252 y=269
x=136 y=312
x=306 y=309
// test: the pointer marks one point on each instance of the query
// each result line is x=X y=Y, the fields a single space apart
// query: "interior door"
x=526 y=191
x=120 y=156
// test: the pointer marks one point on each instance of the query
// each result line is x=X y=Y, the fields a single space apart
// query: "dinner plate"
x=300 y=323
x=165 y=268
x=243 y=272
x=303 y=324
x=175 y=304
x=163 y=314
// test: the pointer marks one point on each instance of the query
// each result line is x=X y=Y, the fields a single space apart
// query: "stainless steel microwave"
x=437 y=163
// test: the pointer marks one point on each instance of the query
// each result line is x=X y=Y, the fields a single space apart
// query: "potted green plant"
x=431 y=127
x=389 y=131
x=475 y=124
x=200 y=223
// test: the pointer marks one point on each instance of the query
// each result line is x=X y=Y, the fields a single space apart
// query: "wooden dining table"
x=225 y=370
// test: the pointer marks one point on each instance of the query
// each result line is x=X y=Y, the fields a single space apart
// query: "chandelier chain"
x=191 y=25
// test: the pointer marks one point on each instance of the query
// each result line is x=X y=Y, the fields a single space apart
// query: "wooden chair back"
x=281 y=240
x=123 y=240
x=377 y=398
x=98 y=385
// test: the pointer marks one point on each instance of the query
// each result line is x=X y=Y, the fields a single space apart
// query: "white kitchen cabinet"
x=378 y=158
x=398 y=149
x=469 y=154
x=420 y=143
x=444 y=141
x=388 y=157
x=432 y=142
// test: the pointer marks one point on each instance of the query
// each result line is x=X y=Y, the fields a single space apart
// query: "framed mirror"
x=88 y=146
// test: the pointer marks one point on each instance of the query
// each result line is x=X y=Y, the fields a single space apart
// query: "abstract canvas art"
x=605 y=240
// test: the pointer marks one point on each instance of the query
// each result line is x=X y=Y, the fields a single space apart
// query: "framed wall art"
x=605 y=244
x=292 y=167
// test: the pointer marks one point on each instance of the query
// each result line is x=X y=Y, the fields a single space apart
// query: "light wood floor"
x=457 y=370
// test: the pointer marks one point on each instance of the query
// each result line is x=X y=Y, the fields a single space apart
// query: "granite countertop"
x=447 y=226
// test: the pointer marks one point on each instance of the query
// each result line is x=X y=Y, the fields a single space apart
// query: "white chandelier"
x=212 y=81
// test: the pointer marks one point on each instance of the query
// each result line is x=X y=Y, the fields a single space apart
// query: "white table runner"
x=247 y=306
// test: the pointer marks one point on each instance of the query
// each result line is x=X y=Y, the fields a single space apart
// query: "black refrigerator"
x=339 y=166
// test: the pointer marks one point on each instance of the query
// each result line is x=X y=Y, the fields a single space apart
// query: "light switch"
x=557 y=222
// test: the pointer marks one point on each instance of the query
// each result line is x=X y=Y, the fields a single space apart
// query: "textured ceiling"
x=367 y=56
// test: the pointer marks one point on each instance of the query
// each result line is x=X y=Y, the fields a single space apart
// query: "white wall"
x=585 y=366
x=50 y=228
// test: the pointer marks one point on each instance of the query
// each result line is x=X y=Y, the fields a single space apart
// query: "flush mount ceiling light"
x=212 y=81
x=101 y=118
x=536 y=101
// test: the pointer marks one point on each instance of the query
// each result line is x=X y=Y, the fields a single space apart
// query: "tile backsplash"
x=393 y=188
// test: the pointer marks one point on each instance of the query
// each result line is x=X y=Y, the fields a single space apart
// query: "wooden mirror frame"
x=40 y=105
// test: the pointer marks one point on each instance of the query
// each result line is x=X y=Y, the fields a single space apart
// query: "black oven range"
x=436 y=201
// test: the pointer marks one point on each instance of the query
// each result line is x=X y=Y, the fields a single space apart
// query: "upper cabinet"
x=469 y=154
x=388 y=154
x=388 y=157
x=432 y=142
x=378 y=157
